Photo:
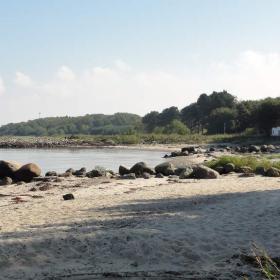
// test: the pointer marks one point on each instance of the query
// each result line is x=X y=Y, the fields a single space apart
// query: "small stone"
x=6 y=181
x=68 y=196
x=146 y=175
x=159 y=175
x=51 y=173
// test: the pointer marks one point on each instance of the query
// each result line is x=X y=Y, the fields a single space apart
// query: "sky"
x=71 y=57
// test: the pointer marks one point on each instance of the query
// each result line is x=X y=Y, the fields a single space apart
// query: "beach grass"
x=240 y=161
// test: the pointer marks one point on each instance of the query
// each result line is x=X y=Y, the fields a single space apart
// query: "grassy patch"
x=239 y=161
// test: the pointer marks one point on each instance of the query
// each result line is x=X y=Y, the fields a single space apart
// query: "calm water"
x=62 y=159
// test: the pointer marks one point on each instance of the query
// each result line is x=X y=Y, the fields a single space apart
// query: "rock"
x=27 y=172
x=68 y=196
x=271 y=148
x=65 y=174
x=183 y=172
x=176 y=154
x=81 y=172
x=204 y=172
x=139 y=168
x=146 y=175
x=33 y=189
x=264 y=148
x=8 y=168
x=273 y=172
x=237 y=149
x=219 y=169
x=165 y=168
x=245 y=169
x=94 y=173
x=6 y=181
x=212 y=149
x=190 y=149
x=229 y=167
x=51 y=173
x=159 y=175
x=123 y=170
x=260 y=170
x=253 y=148
x=130 y=176
x=243 y=149
x=186 y=173
x=70 y=170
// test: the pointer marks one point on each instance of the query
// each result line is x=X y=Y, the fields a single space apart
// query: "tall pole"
x=224 y=128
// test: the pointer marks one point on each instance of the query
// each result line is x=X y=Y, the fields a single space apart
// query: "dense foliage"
x=120 y=123
x=217 y=113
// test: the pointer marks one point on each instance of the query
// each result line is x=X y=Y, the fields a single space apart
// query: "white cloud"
x=121 y=65
x=23 y=80
x=66 y=74
x=2 y=86
x=120 y=88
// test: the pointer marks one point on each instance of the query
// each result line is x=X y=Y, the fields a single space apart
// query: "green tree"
x=177 y=127
x=221 y=120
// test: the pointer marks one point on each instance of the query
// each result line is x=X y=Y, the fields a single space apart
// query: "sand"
x=137 y=229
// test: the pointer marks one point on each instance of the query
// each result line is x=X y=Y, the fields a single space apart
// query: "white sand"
x=137 y=228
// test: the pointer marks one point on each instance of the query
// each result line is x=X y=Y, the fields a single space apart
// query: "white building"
x=275 y=131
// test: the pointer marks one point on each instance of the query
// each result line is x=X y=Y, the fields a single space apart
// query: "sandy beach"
x=137 y=229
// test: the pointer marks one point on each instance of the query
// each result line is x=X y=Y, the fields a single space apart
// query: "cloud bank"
x=121 y=88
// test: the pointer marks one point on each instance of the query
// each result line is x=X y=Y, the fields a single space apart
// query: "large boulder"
x=273 y=172
x=165 y=168
x=185 y=172
x=204 y=172
x=123 y=170
x=27 y=172
x=141 y=167
x=8 y=168
x=229 y=167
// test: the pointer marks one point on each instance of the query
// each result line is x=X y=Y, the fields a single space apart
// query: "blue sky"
x=168 y=52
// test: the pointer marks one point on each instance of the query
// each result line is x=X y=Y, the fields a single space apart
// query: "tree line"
x=216 y=113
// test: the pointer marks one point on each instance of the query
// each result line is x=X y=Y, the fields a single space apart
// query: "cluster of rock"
x=191 y=150
x=260 y=170
x=141 y=170
x=82 y=172
x=11 y=171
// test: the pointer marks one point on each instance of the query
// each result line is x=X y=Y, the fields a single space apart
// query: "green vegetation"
x=268 y=266
x=217 y=113
x=120 y=123
x=239 y=161
x=220 y=112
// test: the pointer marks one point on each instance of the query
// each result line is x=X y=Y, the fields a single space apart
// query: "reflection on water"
x=62 y=159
